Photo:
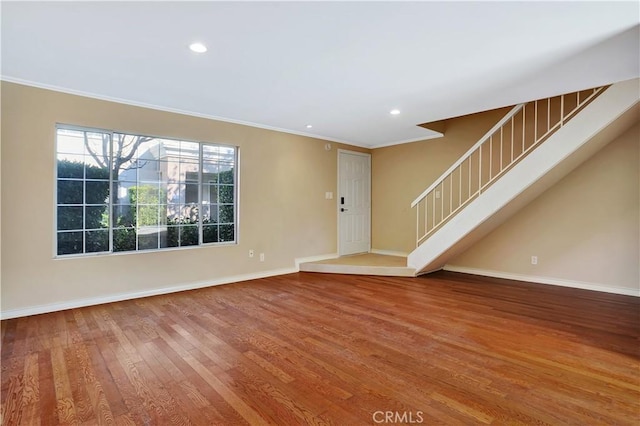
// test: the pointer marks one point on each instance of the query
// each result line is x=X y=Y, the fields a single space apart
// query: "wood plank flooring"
x=331 y=349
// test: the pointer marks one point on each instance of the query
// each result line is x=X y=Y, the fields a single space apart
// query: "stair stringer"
x=608 y=116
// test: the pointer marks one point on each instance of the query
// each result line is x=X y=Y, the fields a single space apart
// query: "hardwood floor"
x=331 y=349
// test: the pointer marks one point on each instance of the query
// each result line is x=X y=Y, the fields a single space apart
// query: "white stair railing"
x=518 y=133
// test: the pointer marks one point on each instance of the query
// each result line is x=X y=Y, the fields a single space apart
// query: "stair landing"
x=362 y=264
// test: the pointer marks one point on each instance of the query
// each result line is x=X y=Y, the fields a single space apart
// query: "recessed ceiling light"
x=394 y=112
x=198 y=47
x=309 y=126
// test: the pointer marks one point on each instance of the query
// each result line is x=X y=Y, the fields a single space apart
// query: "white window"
x=118 y=192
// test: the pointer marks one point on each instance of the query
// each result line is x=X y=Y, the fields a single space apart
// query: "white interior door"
x=354 y=202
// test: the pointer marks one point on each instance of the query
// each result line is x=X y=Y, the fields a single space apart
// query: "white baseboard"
x=544 y=280
x=390 y=253
x=300 y=260
x=61 y=306
x=79 y=303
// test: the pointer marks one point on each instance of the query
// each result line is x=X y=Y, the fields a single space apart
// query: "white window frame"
x=112 y=182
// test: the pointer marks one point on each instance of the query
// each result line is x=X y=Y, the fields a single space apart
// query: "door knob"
x=342 y=209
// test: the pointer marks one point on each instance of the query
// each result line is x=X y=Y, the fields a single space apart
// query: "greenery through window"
x=118 y=192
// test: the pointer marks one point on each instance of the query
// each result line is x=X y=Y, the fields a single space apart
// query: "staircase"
x=525 y=153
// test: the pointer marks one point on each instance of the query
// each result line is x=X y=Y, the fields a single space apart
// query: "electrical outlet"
x=328 y=195
x=251 y=253
x=437 y=194
x=534 y=260
x=261 y=257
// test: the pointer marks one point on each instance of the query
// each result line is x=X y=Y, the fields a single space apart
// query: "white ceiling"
x=340 y=66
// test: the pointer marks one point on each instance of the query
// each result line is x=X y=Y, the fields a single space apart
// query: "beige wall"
x=402 y=172
x=283 y=211
x=585 y=229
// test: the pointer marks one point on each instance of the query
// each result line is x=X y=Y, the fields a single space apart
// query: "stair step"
x=362 y=264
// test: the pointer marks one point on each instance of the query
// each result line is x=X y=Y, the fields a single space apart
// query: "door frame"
x=338 y=192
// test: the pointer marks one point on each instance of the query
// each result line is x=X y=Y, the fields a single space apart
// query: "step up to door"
x=362 y=264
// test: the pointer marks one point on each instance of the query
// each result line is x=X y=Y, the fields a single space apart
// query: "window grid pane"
x=82 y=191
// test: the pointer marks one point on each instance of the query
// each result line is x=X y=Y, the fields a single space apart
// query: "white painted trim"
x=544 y=280
x=60 y=306
x=436 y=135
x=91 y=95
x=173 y=110
x=389 y=253
x=72 y=304
x=319 y=258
